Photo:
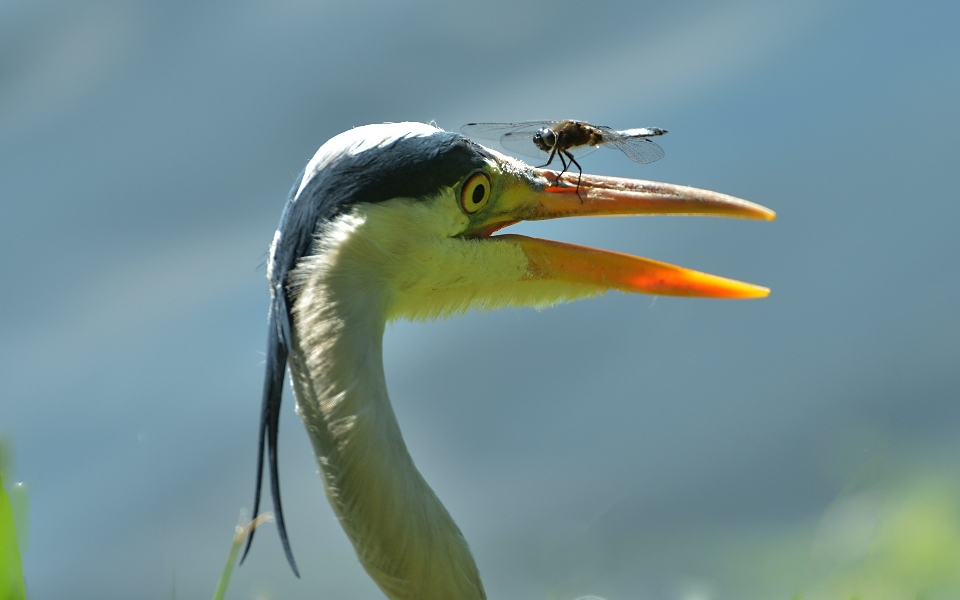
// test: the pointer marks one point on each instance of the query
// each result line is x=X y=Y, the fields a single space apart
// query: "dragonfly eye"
x=545 y=139
x=548 y=136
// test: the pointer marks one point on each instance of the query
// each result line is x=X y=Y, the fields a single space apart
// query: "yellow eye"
x=475 y=192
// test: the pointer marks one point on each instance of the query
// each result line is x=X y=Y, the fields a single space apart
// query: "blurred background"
x=625 y=446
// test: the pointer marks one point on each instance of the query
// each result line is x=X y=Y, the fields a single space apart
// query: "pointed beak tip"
x=739 y=290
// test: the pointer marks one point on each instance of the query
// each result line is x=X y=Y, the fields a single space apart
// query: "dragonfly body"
x=567 y=135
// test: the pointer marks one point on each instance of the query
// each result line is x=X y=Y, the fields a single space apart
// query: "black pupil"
x=478 y=193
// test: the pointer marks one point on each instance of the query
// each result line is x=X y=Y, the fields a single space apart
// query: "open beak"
x=542 y=194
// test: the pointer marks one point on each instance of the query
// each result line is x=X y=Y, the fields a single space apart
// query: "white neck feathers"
x=403 y=535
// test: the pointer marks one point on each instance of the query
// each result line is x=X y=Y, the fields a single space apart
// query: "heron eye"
x=475 y=192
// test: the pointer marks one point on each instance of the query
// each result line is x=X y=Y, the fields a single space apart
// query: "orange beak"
x=541 y=194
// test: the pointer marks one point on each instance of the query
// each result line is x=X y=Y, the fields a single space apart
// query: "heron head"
x=411 y=214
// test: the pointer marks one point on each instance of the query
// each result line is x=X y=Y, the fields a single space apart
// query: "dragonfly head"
x=545 y=139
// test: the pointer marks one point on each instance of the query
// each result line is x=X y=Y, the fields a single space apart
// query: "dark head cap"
x=373 y=163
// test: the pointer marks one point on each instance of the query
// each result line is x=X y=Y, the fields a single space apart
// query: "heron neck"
x=403 y=535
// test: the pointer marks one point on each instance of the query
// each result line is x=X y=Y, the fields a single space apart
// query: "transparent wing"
x=635 y=143
x=521 y=142
x=517 y=137
x=638 y=149
x=495 y=131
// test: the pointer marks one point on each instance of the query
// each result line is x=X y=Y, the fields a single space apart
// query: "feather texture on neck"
x=403 y=535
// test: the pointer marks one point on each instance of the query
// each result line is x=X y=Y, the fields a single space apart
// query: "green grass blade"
x=11 y=573
x=243 y=530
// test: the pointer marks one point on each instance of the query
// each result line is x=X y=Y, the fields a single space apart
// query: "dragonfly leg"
x=553 y=153
x=565 y=166
x=549 y=160
x=579 y=175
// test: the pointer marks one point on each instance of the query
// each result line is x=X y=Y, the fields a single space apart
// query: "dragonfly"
x=569 y=139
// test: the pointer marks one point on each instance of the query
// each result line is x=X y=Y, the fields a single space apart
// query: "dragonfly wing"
x=521 y=142
x=638 y=149
x=495 y=131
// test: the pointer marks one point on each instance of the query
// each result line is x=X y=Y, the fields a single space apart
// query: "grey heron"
x=396 y=221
